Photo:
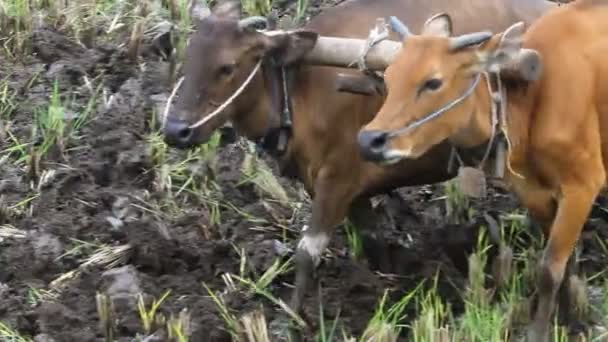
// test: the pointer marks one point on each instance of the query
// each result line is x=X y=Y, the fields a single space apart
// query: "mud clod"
x=60 y=237
x=43 y=338
x=121 y=283
x=47 y=247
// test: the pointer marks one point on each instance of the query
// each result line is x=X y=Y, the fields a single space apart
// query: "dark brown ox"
x=323 y=150
x=556 y=124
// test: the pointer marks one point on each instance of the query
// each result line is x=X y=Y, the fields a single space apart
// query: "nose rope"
x=417 y=123
x=169 y=100
x=226 y=103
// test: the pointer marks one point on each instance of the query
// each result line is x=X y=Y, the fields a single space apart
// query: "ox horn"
x=527 y=66
x=470 y=39
x=399 y=27
x=254 y=21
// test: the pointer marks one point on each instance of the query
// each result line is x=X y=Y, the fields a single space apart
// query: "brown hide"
x=326 y=123
x=556 y=125
x=323 y=135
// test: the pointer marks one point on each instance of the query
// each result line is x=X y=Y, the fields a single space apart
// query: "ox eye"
x=432 y=84
x=226 y=70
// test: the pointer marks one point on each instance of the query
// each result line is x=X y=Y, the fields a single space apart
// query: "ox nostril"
x=372 y=144
x=378 y=141
x=373 y=140
x=178 y=133
x=184 y=133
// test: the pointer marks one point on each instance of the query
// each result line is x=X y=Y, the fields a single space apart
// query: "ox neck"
x=276 y=139
x=478 y=131
x=485 y=129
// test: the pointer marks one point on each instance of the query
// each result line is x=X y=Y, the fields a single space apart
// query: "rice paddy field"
x=107 y=234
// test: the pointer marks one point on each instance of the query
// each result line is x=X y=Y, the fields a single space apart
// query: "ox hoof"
x=280 y=328
x=537 y=333
x=578 y=300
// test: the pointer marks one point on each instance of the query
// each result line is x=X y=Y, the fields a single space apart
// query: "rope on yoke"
x=376 y=35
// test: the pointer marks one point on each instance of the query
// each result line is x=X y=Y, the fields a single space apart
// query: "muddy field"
x=95 y=216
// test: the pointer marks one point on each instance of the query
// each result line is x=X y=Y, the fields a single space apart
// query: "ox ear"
x=439 y=25
x=228 y=10
x=290 y=47
x=495 y=56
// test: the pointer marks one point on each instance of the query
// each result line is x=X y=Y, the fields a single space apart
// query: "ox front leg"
x=330 y=205
x=539 y=201
x=573 y=209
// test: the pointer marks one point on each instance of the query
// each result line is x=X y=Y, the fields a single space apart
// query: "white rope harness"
x=226 y=103
x=376 y=35
x=169 y=100
x=219 y=109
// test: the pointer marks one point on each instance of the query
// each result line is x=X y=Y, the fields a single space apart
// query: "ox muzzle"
x=177 y=133
x=373 y=145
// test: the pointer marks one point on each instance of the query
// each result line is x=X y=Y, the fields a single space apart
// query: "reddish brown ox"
x=323 y=152
x=556 y=124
